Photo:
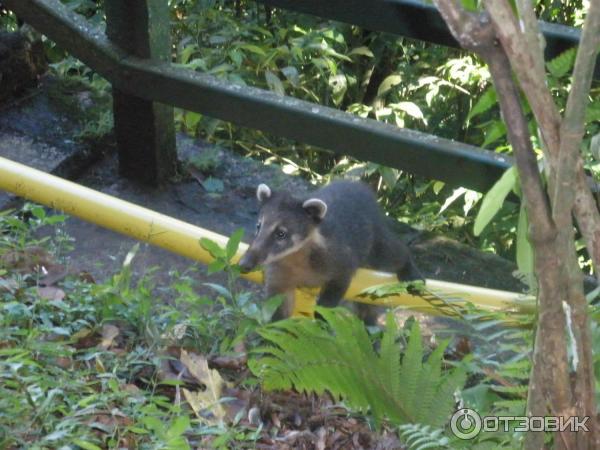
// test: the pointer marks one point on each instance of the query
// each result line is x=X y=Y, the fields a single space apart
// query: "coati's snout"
x=248 y=262
x=285 y=224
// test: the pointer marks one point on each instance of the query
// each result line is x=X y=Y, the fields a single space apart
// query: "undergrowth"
x=117 y=364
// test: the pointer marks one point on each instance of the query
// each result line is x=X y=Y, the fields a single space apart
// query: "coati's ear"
x=263 y=193
x=315 y=208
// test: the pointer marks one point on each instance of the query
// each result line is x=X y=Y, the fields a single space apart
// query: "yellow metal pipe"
x=183 y=238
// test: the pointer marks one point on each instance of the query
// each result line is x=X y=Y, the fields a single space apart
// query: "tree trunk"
x=558 y=386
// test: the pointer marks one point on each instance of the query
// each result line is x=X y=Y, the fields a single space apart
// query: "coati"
x=321 y=240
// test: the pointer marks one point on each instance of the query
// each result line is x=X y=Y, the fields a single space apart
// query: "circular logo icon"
x=465 y=424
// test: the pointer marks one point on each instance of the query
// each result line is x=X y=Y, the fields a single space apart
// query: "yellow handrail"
x=182 y=238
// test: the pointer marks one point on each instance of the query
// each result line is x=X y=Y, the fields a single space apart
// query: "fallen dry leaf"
x=109 y=333
x=208 y=399
x=196 y=364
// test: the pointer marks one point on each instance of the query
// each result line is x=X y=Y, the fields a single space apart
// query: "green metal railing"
x=133 y=58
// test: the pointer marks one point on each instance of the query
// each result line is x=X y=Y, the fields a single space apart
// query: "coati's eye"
x=280 y=235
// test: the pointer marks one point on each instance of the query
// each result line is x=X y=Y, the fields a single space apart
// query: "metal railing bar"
x=331 y=129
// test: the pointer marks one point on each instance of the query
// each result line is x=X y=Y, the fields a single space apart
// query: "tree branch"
x=531 y=77
x=572 y=131
x=535 y=39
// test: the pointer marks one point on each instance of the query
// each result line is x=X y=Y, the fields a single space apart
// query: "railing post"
x=145 y=130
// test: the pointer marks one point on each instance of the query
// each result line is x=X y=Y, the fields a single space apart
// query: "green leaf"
x=270 y=306
x=153 y=423
x=86 y=445
x=233 y=243
x=237 y=57
x=55 y=219
x=216 y=266
x=220 y=289
x=253 y=49
x=494 y=131
x=213 y=185
x=493 y=200
x=274 y=83
x=292 y=75
x=180 y=424
x=191 y=120
x=363 y=51
x=186 y=53
x=470 y=5
x=485 y=102
x=563 y=63
x=212 y=248
x=388 y=83
x=38 y=212
x=411 y=109
x=592 y=112
x=524 y=248
x=339 y=85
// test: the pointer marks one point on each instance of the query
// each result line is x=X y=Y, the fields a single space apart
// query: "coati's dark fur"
x=321 y=240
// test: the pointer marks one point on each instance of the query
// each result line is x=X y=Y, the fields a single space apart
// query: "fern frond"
x=390 y=355
x=519 y=391
x=422 y=437
x=563 y=63
x=338 y=357
x=411 y=367
x=512 y=407
x=427 y=383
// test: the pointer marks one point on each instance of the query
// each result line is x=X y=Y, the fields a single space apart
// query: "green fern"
x=422 y=437
x=337 y=356
x=563 y=63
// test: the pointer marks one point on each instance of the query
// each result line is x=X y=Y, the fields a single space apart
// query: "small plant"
x=18 y=229
x=240 y=316
x=206 y=161
x=338 y=357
